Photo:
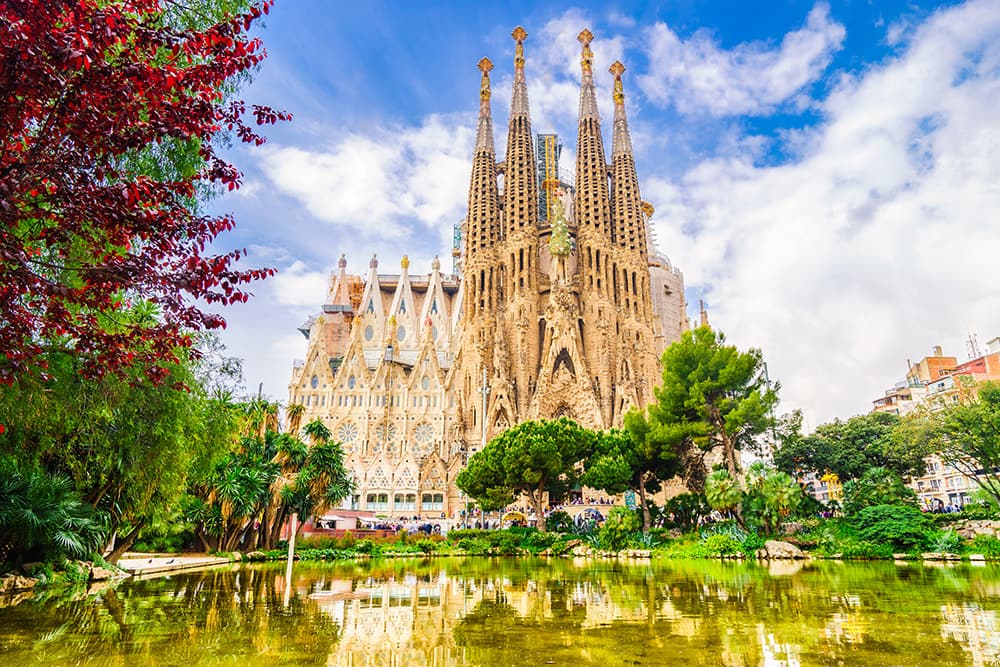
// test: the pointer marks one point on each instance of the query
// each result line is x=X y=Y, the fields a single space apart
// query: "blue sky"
x=826 y=175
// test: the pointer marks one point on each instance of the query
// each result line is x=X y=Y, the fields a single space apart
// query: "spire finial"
x=622 y=142
x=586 y=56
x=519 y=34
x=484 y=133
x=342 y=263
x=405 y=262
x=374 y=263
x=588 y=95
x=617 y=69
x=485 y=65
x=519 y=95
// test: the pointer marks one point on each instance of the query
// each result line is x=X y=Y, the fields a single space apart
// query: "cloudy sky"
x=826 y=175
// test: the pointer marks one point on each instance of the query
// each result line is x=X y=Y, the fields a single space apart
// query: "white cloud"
x=878 y=242
x=298 y=287
x=379 y=185
x=696 y=75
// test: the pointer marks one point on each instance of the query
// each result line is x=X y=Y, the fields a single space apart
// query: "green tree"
x=723 y=492
x=631 y=459
x=849 y=448
x=966 y=436
x=257 y=485
x=713 y=396
x=771 y=495
x=877 y=486
x=128 y=444
x=616 y=531
x=42 y=517
x=534 y=458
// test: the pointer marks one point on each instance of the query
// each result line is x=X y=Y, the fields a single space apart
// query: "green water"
x=522 y=612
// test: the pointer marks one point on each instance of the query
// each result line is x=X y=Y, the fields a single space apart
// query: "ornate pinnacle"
x=342 y=263
x=519 y=34
x=587 y=56
x=485 y=65
x=616 y=70
x=405 y=262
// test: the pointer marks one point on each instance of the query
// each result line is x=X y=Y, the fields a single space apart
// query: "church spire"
x=621 y=140
x=482 y=225
x=484 y=132
x=592 y=205
x=520 y=196
x=588 y=96
x=628 y=226
x=519 y=97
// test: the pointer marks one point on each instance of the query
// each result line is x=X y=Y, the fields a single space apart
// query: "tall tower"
x=519 y=256
x=480 y=270
x=592 y=206
x=636 y=372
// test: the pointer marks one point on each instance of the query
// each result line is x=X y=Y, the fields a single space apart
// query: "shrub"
x=944 y=541
x=559 y=522
x=978 y=511
x=721 y=545
x=427 y=545
x=901 y=527
x=42 y=517
x=615 y=532
x=751 y=544
x=878 y=486
x=685 y=510
x=987 y=545
x=865 y=550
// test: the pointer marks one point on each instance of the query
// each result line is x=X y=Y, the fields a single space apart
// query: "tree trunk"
x=206 y=547
x=125 y=544
x=535 y=496
x=647 y=521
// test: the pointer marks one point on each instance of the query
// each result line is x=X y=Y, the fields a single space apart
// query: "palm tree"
x=42 y=517
x=723 y=492
x=781 y=495
x=295 y=412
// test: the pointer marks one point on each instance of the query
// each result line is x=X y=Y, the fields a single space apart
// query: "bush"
x=559 y=522
x=751 y=544
x=685 y=510
x=901 y=527
x=43 y=518
x=865 y=550
x=722 y=545
x=978 y=511
x=615 y=532
x=427 y=545
x=878 y=486
x=944 y=541
x=987 y=545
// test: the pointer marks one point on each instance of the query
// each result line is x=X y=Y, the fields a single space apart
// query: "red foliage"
x=83 y=85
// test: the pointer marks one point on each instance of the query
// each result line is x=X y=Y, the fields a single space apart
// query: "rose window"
x=347 y=433
x=423 y=436
x=386 y=434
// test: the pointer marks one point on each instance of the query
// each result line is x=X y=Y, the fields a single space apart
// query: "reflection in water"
x=448 y=612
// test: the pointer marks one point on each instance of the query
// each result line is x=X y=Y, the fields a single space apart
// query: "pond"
x=452 y=611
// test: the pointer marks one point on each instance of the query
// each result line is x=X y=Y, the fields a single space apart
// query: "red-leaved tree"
x=86 y=237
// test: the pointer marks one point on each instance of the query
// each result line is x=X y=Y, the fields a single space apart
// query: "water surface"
x=494 y=612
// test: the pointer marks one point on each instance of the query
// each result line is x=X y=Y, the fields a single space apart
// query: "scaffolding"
x=548 y=150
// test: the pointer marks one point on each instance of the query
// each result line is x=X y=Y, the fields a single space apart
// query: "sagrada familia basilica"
x=562 y=307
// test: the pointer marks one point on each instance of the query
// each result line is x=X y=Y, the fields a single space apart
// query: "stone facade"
x=562 y=308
